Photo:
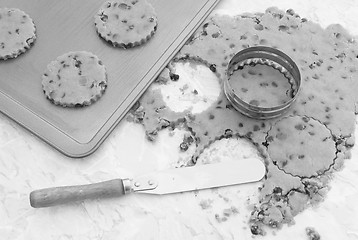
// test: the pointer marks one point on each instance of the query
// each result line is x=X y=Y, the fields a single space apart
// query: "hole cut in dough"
x=196 y=90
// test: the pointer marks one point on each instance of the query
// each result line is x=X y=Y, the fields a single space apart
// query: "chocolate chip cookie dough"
x=304 y=147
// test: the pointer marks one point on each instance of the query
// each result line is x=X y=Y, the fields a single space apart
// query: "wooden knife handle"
x=61 y=195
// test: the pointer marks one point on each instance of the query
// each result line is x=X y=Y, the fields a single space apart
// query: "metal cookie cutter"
x=268 y=56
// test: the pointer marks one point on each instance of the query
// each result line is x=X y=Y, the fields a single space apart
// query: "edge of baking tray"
x=67 y=145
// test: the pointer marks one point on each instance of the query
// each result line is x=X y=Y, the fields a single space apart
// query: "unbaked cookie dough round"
x=261 y=85
x=301 y=146
x=17 y=32
x=75 y=79
x=126 y=23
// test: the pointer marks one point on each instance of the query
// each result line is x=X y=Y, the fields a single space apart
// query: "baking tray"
x=68 y=25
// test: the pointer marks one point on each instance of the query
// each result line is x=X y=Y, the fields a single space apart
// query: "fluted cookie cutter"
x=271 y=57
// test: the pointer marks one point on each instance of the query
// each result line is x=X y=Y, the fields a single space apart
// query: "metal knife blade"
x=200 y=177
x=161 y=182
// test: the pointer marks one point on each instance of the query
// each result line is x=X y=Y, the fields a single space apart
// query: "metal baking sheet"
x=68 y=25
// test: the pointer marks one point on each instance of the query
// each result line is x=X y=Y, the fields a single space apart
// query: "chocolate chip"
x=305 y=119
x=243 y=37
x=300 y=127
x=269 y=139
x=254 y=102
x=215 y=35
x=124 y=6
x=174 y=77
x=277 y=190
x=252 y=72
x=256 y=230
x=290 y=12
x=78 y=63
x=259 y=27
x=103 y=17
x=263 y=42
x=228 y=133
x=213 y=67
x=284 y=163
x=283 y=28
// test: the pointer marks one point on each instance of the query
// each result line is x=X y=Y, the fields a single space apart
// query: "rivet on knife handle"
x=143 y=184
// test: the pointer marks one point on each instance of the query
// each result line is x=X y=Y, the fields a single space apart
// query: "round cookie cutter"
x=269 y=56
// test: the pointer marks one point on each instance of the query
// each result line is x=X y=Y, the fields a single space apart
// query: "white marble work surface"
x=27 y=163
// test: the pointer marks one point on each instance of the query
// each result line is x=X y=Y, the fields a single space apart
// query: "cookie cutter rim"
x=268 y=53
